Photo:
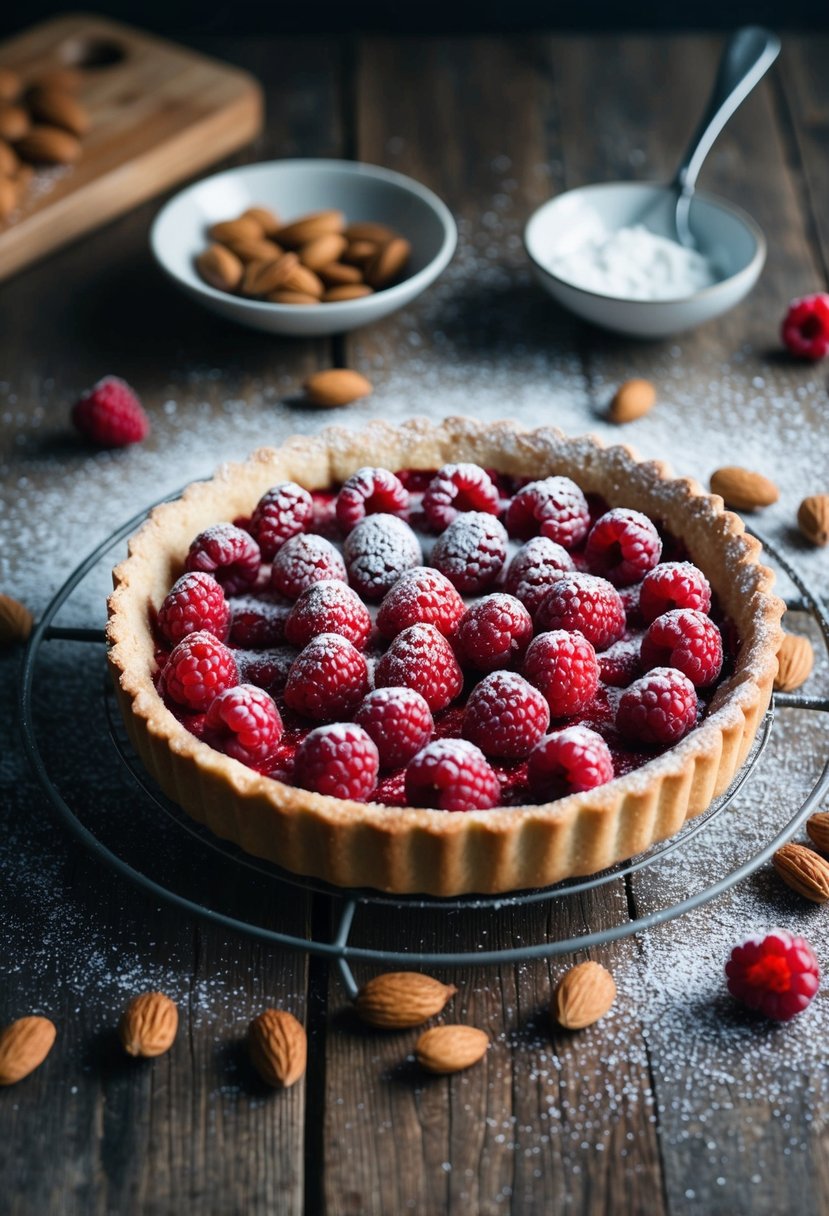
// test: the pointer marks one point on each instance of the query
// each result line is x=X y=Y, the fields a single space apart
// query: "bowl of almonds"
x=304 y=247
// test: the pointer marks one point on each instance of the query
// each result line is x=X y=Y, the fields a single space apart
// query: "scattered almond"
x=583 y=995
x=631 y=400
x=805 y=871
x=219 y=267
x=309 y=227
x=388 y=262
x=399 y=999
x=817 y=829
x=813 y=519
x=278 y=1047
x=24 y=1045
x=336 y=386
x=267 y=220
x=15 y=621
x=325 y=249
x=795 y=660
x=445 y=1049
x=49 y=146
x=60 y=109
x=348 y=291
x=11 y=86
x=149 y=1025
x=743 y=489
x=15 y=121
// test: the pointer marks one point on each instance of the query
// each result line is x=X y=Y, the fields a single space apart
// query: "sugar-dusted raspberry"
x=587 y=603
x=244 y=723
x=569 y=761
x=228 y=552
x=658 y=709
x=196 y=601
x=266 y=669
x=457 y=488
x=471 y=551
x=399 y=721
x=688 y=640
x=534 y=569
x=495 y=632
x=421 y=596
x=554 y=507
x=198 y=669
x=256 y=622
x=505 y=716
x=377 y=551
x=563 y=667
x=623 y=546
x=370 y=491
x=304 y=560
x=673 y=585
x=328 y=679
x=778 y=975
x=619 y=665
x=110 y=414
x=421 y=658
x=282 y=512
x=329 y=607
x=452 y=775
x=340 y=760
x=805 y=329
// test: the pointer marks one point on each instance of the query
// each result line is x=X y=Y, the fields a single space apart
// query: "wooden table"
x=675 y=1102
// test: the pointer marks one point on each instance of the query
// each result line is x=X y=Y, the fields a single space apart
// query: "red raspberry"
x=805 y=328
x=568 y=762
x=456 y=488
x=304 y=560
x=505 y=716
x=673 y=585
x=282 y=512
x=471 y=551
x=228 y=552
x=328 y=679
x=339 y=760
x=399 y=721
x=422 y=659
x=195 y=602
x=198 y=669
x=688 y=640
x=330 y=607
x=110 y=414
x=421 y=596
x=619 y=665
x=623 y=546
x=563 y=667
x=244 y=723
x=377 y=551
x=369 y=492
x=452 y=775
x=660 y=708
x=587 y=603
x=778 y=974
x=534 y=569
x=554 y=507
x=256 y=623
x=268 y=669
x=495 y=632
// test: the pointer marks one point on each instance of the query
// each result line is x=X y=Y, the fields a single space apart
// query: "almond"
x=805 y=871
x=348 y=291
x=24 y=1045
x=795 y=660
x=60 y=109
x=388 y=262
x=445 y=1049
x=9 y=160
x=583 y=995
x=304 y=280
x=278 y=1047
x=254 y=249
x=11 y=86
x=309 y=227
x=360 y=252
x=45 y=145
x=15 y=621
x=817 y=828
x=324 y=249
x=68 y=79
x=742 y=489
x=219 y=267
x=267 y=220
x=378 y=234
x=813 y=518
x=631 y=400
x=337 y=274
x=245 y=228
x=262 y=278
x=14 y=121
x=149 y=1025
x=399 y=999
x=336 y=386
x=291 y=297
x=9 y=196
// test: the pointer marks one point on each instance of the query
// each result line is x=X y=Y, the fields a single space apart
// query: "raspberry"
x=198 y=669
x=282 y=512
x=471 y=551
x=377 y=551
x=196 y=601
x=673 y=585
x=569 y=761
x=563 y=667
x=421 y=596
x=688 y=640
x=778 y=974
x=304 y=560
x=422 y=659
x=554 y=507
x=495 y=632
x=244 y=723
x=256 y=623
x=267 y=669
x=339 y=760
x=805 y=330
x=660 y=708
x=330 y=607
x=228 y=552
x=505 y=716
x=534 y=569
x=623 y=546
x=399 y=721
x=328 y=679
x=456 y=488
x=110 y=415
x=619 y=665
x=587 y=603
x=452 y=775
x=367 y=492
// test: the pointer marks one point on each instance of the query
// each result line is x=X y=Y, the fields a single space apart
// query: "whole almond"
x=399 y=999
x=262 y=278
x=9 y=160
x=11 y=86
x=68 y=79
x=267 y=220
x=378 y=234
x=304 y=280
x=245 y=228
x=309 y=227
x=805 y=871
x=817 y=828
x=219 y=267
x=336 y=274
x=291 y=297
x=813 y=519
x=348 y=291
x=24 y=1045
x=14 y=121
x=388 y=262
x=795 y=660
x=360 y=252
x=9 y=195
x=336 y=386
x=583 y=995
x=325 y=249
x=59 y=108
x=15 y=621
x=149 y=1025
x=278 y=1047
x=45 y=145
x=254 y=249
x=446 y=1049
x=743 y=489
x=632 y=400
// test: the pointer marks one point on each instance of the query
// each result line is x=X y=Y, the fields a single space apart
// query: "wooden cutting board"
x=159 y=114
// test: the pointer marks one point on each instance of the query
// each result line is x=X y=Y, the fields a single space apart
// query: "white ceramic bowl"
x=724 y=233
x=292 y=188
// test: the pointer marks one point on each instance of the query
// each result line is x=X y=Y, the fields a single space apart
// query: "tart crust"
x=433 y=852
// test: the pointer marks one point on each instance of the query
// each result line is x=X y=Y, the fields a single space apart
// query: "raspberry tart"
x=443 y=659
